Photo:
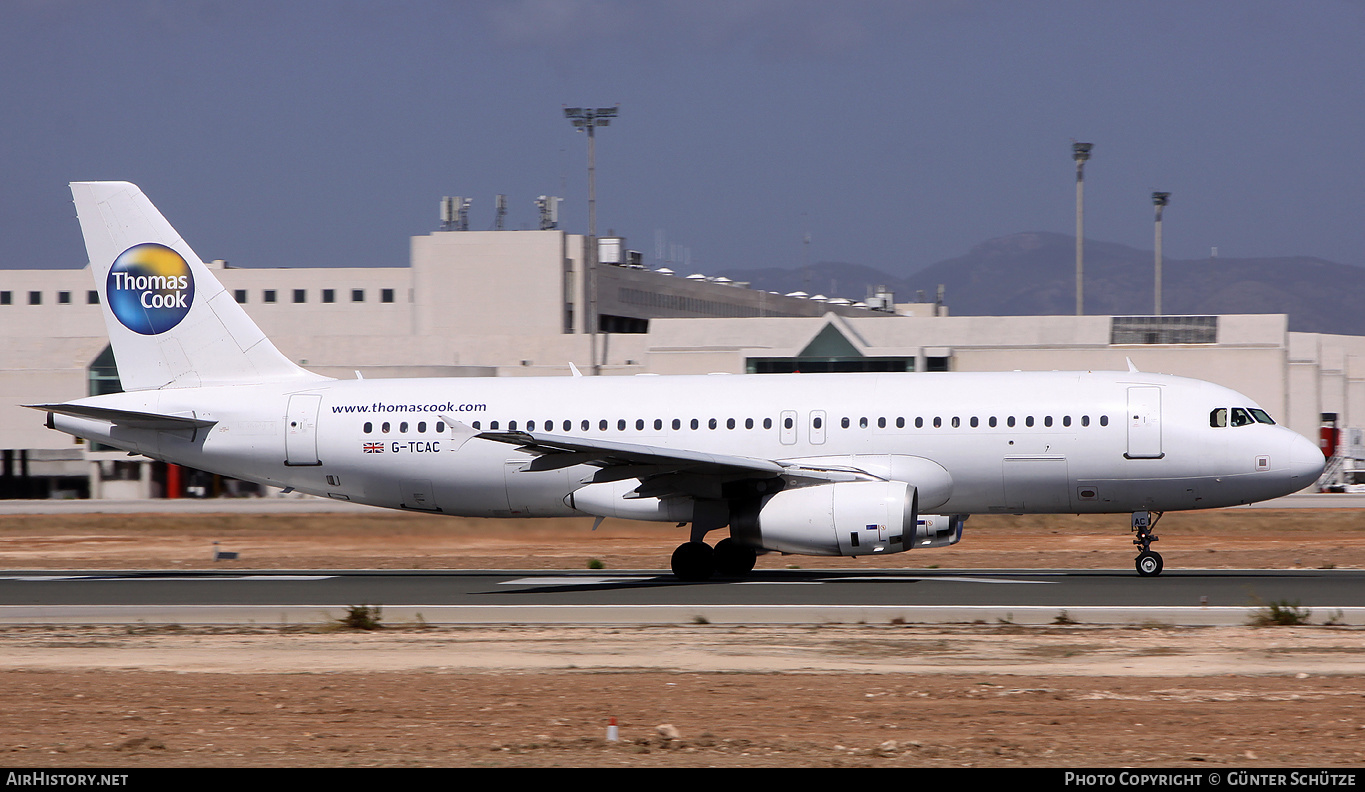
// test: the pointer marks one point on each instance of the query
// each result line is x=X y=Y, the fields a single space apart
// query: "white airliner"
x=821 y=464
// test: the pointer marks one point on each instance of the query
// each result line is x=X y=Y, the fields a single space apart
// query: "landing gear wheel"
x=694 y=561
x=1149 y=563
x=734 y=559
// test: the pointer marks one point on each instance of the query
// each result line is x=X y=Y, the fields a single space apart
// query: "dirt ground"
x=687 y=695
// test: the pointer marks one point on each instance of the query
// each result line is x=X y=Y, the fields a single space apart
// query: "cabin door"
x=1144 y=422
x=301 y=431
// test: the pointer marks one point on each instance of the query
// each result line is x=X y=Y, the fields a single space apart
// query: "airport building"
x=522 y=303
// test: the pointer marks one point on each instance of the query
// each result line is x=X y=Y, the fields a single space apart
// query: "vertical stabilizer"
x=171 y=323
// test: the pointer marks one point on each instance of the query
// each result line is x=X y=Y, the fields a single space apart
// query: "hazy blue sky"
x=897 y=133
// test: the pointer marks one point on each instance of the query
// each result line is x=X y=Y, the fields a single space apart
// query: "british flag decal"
x=374 y=448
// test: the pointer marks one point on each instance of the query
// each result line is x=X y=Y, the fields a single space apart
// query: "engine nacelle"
x=610 y=499
x=845 y=518
x=938 y=530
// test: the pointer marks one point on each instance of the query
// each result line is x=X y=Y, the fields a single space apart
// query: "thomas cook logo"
x=150 y=288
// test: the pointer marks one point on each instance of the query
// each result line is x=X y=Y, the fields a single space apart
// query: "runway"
x=1178 y=597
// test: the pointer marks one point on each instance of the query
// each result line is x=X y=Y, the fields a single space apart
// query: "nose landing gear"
x=1148 y=562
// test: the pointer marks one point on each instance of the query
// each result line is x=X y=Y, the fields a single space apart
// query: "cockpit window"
x=1219 y=417
x=1240 y=417
x=1262 y=416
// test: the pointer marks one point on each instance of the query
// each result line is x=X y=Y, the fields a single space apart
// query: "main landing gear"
x=695 y=561
x=1148 y=561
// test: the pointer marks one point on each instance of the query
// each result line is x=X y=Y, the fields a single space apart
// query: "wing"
x=662 y=471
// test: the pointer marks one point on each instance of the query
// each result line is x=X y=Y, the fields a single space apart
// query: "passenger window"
x=768 y=423
x=422 y=427
x=862 y=422
x=1104 y=420
x=881 y=423
x=818 y=422
x=695 y=423
x=1085 y=420
x=620 y=424
x=844 y=423
x=1047 y=420
x=568 y=425
x=937 y=422
x=639 y=424
x=919 y=423
x=511 y=426
x=787 y=422
x=658 y=424
x=1066 y=420
x=585 y=424
x=492 y=426
x=1010 y=422
x=403 y=428
x=676 y=424
x=991 y=422
x=1219 y=418
x=369 y=427
x=530 y=426
x=748 y=423
x=729 y=423
x=957 y=422
x=975 y=422
x=602 y=425
x=900 y=422
x=1028 y=421
x=476 y=426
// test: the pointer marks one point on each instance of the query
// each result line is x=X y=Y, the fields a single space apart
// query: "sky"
x=891 y=133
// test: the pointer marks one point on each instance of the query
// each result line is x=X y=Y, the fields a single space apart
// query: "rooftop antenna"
x=500 y=211
x=455 y=213
x=548 y=207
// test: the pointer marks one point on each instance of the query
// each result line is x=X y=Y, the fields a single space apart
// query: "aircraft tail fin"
x=171 y=323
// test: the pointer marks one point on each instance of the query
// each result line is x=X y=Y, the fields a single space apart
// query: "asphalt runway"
x=305 y=504
x=647 y=596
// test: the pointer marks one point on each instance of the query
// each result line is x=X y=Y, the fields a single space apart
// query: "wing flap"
x=606 y=452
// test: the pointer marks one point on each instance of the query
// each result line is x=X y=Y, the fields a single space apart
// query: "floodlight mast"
x=1080 y=152
x=587 y=119
x=1159 y=200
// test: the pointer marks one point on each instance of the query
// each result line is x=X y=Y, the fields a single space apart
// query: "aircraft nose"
x=1305 y=461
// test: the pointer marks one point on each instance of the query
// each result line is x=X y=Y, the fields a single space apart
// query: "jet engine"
x=938 y=530
x=844 y=518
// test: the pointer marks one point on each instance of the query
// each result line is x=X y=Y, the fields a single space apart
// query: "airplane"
x=817 y=464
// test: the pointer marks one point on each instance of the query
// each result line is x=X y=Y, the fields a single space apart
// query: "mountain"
x=1035 y=274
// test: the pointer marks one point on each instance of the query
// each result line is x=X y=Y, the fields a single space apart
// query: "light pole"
x=1080 y=152
x=1160 y=199
x=587 y=119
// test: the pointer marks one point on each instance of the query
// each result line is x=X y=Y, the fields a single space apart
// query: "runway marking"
x=951 y=578
x=135 y=579
x=573 y=581
x=662 y=580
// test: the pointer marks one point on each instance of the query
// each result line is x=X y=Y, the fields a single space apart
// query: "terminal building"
x=523 y=303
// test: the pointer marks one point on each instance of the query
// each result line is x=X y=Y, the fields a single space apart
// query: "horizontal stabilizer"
x=128 y=418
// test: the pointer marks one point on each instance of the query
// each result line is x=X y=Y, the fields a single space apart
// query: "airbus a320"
x=820 y=464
